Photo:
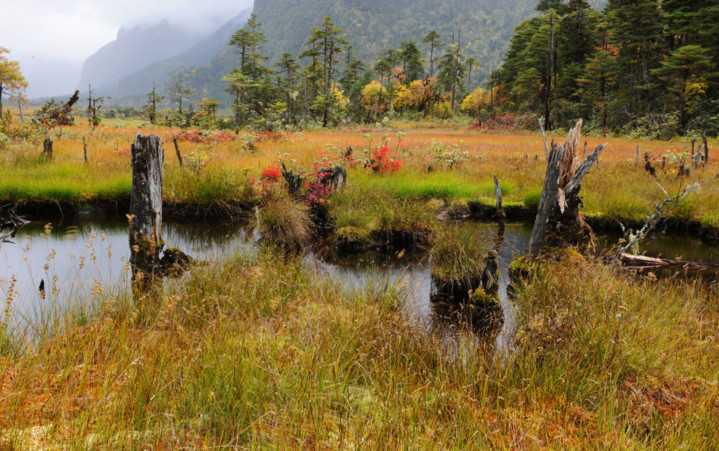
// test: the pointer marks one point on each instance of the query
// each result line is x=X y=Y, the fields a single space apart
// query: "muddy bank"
x=601 y=224
x=239 y=210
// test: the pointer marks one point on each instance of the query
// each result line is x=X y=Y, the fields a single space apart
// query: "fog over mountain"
x=134 y=49
x=161 y=37
x=48 y=77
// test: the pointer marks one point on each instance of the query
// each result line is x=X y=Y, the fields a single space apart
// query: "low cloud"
x=74 y=29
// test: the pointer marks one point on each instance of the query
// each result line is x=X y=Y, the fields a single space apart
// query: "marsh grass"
x=617 y=189
x=257 y=351
x=284 y=222
x=458 y=252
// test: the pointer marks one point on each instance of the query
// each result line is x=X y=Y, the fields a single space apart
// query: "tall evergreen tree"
x=252 y=89
x=637 y=36
x=328 y=41
x=685 y=72
x=288 y=65
x=412 y=61
x=452 y=70
x=433 y=39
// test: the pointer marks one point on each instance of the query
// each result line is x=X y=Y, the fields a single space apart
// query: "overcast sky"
x=75 y=29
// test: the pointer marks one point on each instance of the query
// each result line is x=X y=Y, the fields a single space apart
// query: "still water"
x=83 y=259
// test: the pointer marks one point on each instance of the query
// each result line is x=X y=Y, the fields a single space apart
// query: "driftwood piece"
x=47 y=148
x=146 y=201
x=661 y=211
x=558 y=222
x=294 y=179
x=177 y=151
x=13 y=223
x=642 y=261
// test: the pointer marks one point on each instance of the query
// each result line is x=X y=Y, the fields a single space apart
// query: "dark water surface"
x=81 y=259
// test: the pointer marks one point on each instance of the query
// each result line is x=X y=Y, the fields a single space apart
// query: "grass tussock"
x=458 y=252
x=260 y=352
x=284 y=222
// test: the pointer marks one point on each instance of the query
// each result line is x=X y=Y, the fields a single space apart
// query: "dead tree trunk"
x=19 y=106
x=146 y=202
x=177 y=151
x=47 y=148
x=559 y=222
x=84 y=147
x=706 y=148
x=499 y=213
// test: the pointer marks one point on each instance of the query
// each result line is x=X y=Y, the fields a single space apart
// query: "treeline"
x=326 y=83
x=641 y=65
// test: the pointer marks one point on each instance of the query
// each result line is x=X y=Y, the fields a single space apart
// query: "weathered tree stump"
x=84 y=147
x=47 y=148
x=146 y=202
x=559 y=222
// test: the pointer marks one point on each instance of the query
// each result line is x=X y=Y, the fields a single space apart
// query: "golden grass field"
x=617 y=189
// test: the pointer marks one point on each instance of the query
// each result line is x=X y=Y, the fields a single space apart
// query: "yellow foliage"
x=476 y=101
x=695 y=88
x=341 y=101
x=375 y=97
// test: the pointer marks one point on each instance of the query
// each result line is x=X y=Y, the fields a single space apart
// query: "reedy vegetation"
x=257 y=351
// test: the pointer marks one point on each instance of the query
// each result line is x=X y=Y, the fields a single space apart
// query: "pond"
x=80 y=259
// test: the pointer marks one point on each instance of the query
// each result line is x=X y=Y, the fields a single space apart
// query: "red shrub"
x=381 y=161
x=271 y=174
x=206 y=136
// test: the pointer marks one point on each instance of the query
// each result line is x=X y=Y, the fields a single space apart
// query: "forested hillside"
x=373 y=26
x=645 y=65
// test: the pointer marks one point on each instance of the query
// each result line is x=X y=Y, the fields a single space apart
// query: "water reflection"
x=76 y=261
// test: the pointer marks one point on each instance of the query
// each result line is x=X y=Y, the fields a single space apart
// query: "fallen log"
x=644 y=262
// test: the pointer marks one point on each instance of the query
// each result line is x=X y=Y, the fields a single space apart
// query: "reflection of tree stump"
x=559 y=222
x=146 y=202
x=47 y=148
